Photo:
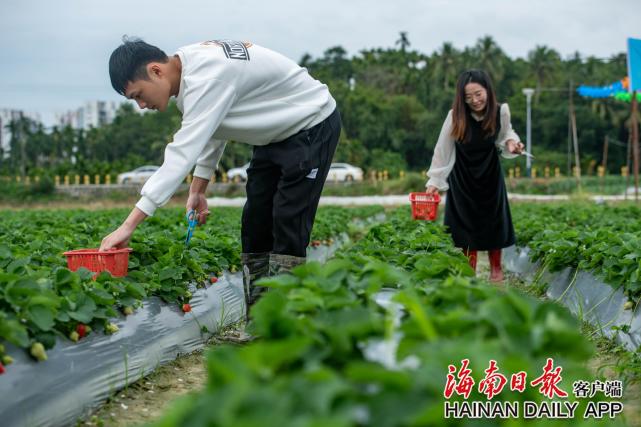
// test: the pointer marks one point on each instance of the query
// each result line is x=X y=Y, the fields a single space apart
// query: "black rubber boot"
x=255 y=266
x=279 y=264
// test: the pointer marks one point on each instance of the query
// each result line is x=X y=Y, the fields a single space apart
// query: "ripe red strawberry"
x=82 y=330
x=213 y=279
x=1 y=369
x=186 y=308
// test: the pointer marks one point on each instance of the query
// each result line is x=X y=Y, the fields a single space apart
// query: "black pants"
x=284 y=183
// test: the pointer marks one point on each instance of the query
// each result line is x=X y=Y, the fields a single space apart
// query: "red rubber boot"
x=496 y=272
x=472 y=257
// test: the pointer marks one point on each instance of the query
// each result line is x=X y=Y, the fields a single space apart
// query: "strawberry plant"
x=314 y=363
x=605 y=240
x=40 y=299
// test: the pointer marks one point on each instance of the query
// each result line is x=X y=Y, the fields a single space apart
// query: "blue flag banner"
x=600 y=91
x=634 y=64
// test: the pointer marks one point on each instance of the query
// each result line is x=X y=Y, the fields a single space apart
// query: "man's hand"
x=119 y=238
x=197 y=200
x=198 y=203
x=514 y=147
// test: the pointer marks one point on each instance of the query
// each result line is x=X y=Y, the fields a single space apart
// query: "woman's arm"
x=443 y=158
x=508 y=140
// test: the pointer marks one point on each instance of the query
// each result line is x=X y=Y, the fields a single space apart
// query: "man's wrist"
x=204 y=172
x=135 y=217
x=198 y=185
x=129 y=225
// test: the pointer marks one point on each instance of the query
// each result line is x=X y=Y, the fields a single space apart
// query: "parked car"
x=137 y=176
x=344 y=172
x=238 y=174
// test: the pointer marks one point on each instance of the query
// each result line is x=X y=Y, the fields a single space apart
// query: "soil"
x=147 y=399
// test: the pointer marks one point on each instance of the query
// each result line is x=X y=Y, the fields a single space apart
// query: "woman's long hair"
x=460 y=110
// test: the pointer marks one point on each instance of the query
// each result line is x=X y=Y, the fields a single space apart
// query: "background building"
x=7 y=115
x=92 y=114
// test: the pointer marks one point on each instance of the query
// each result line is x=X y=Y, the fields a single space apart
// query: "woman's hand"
x=431 y=190
x=514 y=147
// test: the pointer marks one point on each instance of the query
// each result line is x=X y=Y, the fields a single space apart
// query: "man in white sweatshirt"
x=230 y=90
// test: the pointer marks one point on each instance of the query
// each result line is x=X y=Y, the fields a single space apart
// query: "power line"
x=617 y=142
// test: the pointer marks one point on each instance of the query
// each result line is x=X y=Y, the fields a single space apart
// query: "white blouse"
x=445 y=152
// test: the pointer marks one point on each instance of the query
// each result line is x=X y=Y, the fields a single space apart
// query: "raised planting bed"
x=123 y=345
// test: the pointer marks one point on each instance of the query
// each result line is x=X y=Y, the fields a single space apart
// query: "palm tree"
x=445 y=64
x=490 y=57
x=403 y=41
x=543 y=63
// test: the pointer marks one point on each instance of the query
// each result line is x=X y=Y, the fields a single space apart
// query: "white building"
x=7 y=115
x=92 y=114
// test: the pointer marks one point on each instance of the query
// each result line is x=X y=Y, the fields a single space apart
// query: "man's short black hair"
x=128 y=62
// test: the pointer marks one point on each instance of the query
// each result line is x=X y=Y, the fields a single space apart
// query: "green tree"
x=543 y=63
x=446 y=65
x=403 y=41
x=490 y=57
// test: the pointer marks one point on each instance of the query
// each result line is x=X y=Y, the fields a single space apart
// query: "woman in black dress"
x=466 y=161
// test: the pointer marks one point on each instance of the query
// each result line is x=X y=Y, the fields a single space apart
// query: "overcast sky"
x=54 y=53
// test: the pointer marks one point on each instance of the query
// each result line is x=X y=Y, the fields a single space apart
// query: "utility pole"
x=627 y=165
x=605 y=152
x=528 y=92
x=634 y=134
x=604 y=163
x=575 y=140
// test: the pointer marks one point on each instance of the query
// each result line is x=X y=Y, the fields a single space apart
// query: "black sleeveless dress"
x=477 y=212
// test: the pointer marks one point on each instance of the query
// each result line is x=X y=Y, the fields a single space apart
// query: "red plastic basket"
x=424 y=206
x=115 y=261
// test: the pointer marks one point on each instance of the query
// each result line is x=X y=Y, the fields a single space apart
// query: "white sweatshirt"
x=445 y=151
x=233 y=91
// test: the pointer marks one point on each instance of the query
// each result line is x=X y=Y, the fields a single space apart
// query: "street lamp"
x=528 y=92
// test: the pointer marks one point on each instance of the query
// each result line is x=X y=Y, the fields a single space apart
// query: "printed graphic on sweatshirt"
x=233 y=49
